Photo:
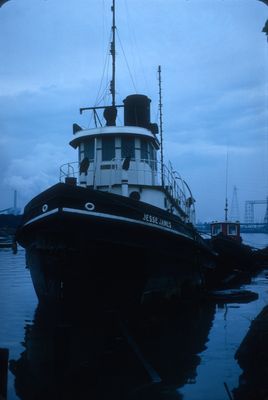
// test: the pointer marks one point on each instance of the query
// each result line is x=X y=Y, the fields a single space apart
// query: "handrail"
x=69 y=167
x=170 y=179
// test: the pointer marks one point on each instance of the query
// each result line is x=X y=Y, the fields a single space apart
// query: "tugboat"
x=235 y=259
x=119 y=223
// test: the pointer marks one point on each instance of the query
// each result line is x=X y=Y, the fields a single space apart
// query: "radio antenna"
x=161 y=125
x=226 y=187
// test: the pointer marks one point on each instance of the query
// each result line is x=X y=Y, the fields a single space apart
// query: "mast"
x=161 y=126
x=226 y=187
x=226 y=210
x=110 y=112
x=112 y=84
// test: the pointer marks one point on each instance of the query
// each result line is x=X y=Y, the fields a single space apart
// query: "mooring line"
x=155 y=378
x=228 y=391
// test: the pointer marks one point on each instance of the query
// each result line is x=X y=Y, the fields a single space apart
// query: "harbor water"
x=189 y=354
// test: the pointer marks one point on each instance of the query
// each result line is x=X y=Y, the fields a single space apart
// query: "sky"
x=214 y=61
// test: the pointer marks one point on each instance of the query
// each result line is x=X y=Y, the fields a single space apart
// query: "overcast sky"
x=214 y=62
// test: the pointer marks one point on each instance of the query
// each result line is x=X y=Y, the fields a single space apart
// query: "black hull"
x=233 y=254
x=236 y=263
x=85 y=245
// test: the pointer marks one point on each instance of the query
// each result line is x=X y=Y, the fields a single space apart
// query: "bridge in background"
x=250 y=210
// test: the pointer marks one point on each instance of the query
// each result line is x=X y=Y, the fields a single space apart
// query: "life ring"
x=89 y=206
x=44 y=207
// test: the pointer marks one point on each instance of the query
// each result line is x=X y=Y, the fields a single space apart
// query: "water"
x=217 y=362
x=17 y=305
x=257 y=240
x=192 y=352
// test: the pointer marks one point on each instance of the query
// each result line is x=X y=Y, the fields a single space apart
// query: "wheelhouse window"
x=152 y=157
x=108 y=148
x=148 y=154
x=144 y=151
x=128 y=147
x=232 y=229
x=216 y=229
x=89 y=149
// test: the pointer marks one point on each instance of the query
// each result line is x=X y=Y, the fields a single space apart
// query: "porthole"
x=135 y=195
x=89 y=206
x=44 y=207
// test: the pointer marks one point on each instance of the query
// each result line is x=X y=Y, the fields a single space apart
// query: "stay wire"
x=131 y=76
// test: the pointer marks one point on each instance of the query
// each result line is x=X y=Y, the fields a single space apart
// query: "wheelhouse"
x=227 y=229
x=122 y=159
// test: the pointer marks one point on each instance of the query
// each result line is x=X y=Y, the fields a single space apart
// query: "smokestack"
x=15 y=199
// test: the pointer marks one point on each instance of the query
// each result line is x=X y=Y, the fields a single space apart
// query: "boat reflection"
x=104 y=356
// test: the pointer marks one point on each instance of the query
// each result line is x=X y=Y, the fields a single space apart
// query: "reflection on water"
x=17 y=305
x=105 y=356
x=188 y=352
x=218 y=365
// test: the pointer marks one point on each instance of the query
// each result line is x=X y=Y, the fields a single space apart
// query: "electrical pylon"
x=234 y=215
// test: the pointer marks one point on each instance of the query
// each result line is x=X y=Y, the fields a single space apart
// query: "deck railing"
x=140 y=172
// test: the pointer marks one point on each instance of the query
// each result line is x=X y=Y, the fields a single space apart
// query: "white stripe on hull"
x=106 y=216
x=55 y=210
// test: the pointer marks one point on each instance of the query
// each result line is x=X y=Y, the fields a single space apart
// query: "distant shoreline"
x=9 y=223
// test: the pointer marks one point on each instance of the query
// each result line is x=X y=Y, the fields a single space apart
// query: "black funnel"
x=137 y=111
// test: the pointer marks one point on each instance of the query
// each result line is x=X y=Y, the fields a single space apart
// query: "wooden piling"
x=228 y=391
x=4 y=355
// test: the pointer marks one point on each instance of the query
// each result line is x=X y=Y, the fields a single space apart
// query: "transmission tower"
x=234 y=215
x=249 y=210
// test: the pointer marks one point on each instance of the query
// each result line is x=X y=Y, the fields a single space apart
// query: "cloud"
x=231 y=117
x=206 y=149
x=36 y=171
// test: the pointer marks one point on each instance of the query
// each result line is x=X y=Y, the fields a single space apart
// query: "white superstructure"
x=123 y=160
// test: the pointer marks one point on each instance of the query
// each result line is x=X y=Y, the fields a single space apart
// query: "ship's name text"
x=157 y=221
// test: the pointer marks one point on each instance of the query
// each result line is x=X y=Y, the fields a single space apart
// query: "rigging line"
x=131 y=77
x=106 y=87
x=136 y=55
x=104 y=95
x=102 y=99
x=105 y=67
